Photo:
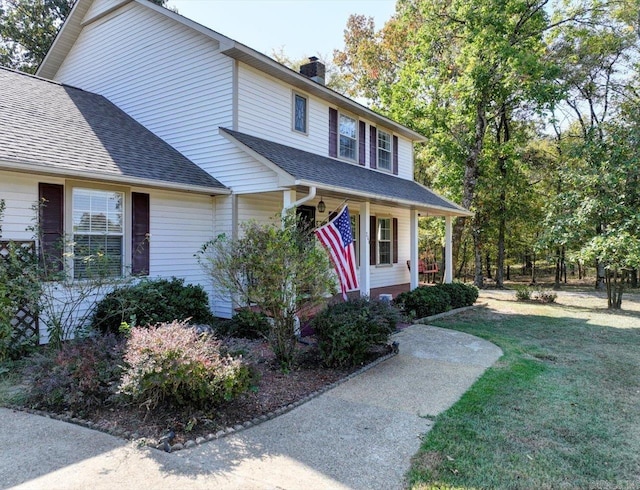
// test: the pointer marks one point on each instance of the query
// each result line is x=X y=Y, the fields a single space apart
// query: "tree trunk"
x=471 y=172
x=503 y=138
x=558 y=278
x=533 y=269
x=478 y=279
x=488 y=263
x=600 y=276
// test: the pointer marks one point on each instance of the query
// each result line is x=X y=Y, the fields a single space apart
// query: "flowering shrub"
x=174 y=364
x=82 y=375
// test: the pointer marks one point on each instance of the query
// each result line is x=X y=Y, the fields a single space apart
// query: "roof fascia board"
x=439 y=211
x=285 y=179
x=26 y=167
x=49 y=67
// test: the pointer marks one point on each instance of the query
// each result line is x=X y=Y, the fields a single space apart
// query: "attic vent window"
x=300 y=113
x=314 y=70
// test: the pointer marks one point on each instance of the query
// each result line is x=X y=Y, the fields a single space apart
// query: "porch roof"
x=310 y=169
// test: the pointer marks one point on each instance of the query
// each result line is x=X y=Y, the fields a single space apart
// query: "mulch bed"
x=274 y=390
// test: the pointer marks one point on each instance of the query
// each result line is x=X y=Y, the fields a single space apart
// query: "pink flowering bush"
x=172 y=363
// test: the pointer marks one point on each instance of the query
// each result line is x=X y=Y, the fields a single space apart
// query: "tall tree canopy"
x=520 y=101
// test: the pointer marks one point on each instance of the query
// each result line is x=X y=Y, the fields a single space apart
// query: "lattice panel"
x=25 y=323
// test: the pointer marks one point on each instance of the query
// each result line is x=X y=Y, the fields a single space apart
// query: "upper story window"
x=98 y=233
x=348 y=137
x=384 y=150
x=300 y=117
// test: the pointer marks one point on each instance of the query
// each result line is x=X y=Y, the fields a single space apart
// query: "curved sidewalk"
x=359 y=435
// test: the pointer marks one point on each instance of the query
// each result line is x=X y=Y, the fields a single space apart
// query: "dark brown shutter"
x=373 y=147
x=395 y=155
x=394 y=231
x=140 y=234
x=52 y=226
x=362 y=147
x=373 y=239
x=333 y=132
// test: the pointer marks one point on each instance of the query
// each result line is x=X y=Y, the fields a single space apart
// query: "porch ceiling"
x=345 y=180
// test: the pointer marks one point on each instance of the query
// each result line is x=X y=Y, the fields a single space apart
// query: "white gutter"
x=441 y=211
x=308 y=197
x=31 y=168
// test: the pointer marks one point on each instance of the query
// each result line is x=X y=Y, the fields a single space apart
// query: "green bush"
x=83 y=374
x=173 y=364
x=152 y=301
x=424 y=301
x=523 y=293
x=431 y=300
x=247 y=324
x=461 y=294
x=347 y=331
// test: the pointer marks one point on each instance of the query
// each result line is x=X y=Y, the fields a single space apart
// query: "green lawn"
x=560 y=409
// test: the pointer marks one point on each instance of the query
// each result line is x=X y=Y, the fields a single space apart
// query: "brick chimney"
x=313 y=70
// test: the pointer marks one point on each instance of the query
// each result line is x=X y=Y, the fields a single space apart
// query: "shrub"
x=424 y=301
x=461 y=294
x=247 y=324
x=347 y=331
x=174 y=364
x=430 y=300
x=545 y=296
x=152 y=301
x=81 y=375
x=523 y=293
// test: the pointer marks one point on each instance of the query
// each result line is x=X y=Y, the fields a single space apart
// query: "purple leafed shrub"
x=171 y=363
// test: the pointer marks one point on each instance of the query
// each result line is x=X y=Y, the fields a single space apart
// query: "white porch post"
x=413 y=249
x=365 y=237
x=288 y=197
x=448 y=250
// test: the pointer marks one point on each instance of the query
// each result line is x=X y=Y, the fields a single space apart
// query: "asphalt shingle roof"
x=315 y=168
x=49 y=124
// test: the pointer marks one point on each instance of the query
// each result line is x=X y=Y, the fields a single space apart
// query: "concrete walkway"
x=360 y=435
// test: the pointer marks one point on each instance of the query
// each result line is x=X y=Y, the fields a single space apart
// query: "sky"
x=300 y=28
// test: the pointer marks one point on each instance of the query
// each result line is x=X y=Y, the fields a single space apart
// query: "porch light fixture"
x=321 y=206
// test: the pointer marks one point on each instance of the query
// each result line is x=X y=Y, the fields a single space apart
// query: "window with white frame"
x=348 y=137
x=98 y=233
x=300 y=113
x=384 y=150
x=384 y=241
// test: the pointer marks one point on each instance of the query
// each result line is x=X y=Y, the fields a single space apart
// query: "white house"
x=183 y=133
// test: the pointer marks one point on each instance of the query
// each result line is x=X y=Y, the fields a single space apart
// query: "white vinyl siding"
x=165 y=75
x=20 y=195
x=265 y=111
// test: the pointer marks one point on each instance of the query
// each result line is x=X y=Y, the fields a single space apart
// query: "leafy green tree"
x=277 y=267
x=457 y=72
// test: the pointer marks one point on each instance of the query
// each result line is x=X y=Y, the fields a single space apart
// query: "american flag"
x=337 y=238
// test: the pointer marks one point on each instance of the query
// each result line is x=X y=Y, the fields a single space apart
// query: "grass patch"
x=560 y=409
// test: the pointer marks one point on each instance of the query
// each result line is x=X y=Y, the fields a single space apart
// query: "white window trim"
x=295 y=94
x=357 y=130
x=126 y=221
x=355 y=230
x=378 y=241
x=379 y=149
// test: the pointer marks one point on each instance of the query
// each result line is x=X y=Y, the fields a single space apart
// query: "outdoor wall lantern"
x=321 y=206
